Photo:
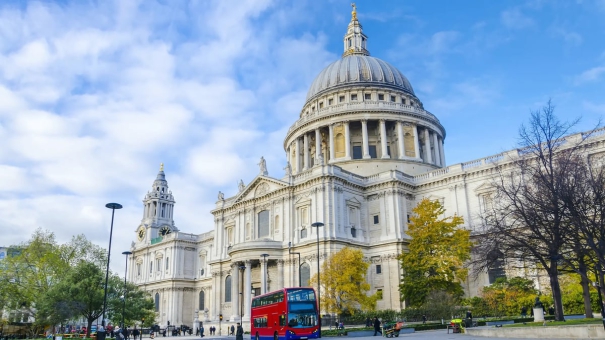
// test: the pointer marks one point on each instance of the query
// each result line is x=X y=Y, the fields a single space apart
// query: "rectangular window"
x=373 y=151
x=263 y=223
x=388 y=150
x=403 y=101
x=312 y=108
x=167 y=263
x=158 y=264
x=321 y=105
x=330 y=101
x=378 y=269
x=303 y=233
x=408 y=218
x=151 y=266
x=393 y=99
x=353 y=232
x=376 y=219
x=341 y=99
x=368 y=96
x=138 y=269
x=379 y=291
x=357 y=152
x=354 y=97
x=381 y=96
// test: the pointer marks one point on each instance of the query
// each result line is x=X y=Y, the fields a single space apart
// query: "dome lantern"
x=355 y=42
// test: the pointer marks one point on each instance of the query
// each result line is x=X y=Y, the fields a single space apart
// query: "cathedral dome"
x=356 y=70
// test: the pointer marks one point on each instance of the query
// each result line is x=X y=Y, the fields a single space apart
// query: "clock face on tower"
x=165 y=230
x=141 y=233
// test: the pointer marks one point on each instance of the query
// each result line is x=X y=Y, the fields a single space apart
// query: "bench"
x=499 y=323
x=454 y=328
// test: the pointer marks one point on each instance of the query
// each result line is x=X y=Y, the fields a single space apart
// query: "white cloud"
x=515 y=19
x=591 y=75
x=95 y=95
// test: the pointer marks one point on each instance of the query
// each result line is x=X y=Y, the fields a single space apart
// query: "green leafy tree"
x=344 y=284
x=129 y=302
x=506 y=297
x=29 y=272
x=436 y=256
x=80 y=293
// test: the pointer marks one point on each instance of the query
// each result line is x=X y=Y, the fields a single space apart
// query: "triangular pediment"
x=259 y=187
x=484 y=188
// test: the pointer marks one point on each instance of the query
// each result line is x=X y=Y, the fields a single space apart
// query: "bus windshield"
x=302 y=314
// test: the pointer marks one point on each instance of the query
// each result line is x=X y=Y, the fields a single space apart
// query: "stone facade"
x=362 y=154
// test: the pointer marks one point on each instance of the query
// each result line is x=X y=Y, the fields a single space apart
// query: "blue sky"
x=94 y=95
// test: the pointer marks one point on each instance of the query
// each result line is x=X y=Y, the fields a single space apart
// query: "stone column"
x=234 y=292
x=298 y=156
x=416 y=142
x=331 y=127
x=364 y=136
x=436 y=143
x=247 y=290
x=280 y=273
x=263 y=275
x=383 y=139
x=400 y=140
x=347 y=141
x=317 y=146
x=306 y=152
x=441 y=152
x=216 y=296
x=427 y=146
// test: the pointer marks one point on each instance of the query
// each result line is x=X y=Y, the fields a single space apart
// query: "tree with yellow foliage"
x=343 y=282
x=436 y=256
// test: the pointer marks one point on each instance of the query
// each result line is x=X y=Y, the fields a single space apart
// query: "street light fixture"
x=317 y=225
x=265 y=272
x=125 y=274
x=113 y=207
x=296 y=253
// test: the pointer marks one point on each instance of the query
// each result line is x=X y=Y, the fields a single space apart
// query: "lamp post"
x=265 y=272
x=125 y=274
x=113 y=207
x=241 y=293
x=317 y=225
x=297 y=253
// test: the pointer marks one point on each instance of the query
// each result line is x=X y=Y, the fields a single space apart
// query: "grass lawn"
x=558 y=323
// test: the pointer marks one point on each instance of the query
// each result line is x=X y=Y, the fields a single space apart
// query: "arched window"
x=305 y=275
x=201 y=304
x=228 y=289
x=263 y=223
x=157 y=302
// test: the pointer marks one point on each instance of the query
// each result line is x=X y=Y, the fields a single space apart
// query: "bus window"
x=282 y=320
x=302 y=314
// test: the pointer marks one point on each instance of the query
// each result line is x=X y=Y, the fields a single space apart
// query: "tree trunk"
x=585 y=289
x=88 y=328
x=553 y=274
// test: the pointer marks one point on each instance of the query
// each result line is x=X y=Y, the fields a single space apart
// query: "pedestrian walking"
x=135 y=333
x=232 y=330
x=239 y=335
x=377 y=326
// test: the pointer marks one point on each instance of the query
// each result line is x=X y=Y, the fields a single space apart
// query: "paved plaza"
x=437 y=334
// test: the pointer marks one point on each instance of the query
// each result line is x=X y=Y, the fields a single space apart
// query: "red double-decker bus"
x=286 y=314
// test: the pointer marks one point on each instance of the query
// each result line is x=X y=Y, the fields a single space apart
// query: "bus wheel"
x=275 y=337
x=256 y=337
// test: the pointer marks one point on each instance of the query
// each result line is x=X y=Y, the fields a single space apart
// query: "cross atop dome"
x=355 y=42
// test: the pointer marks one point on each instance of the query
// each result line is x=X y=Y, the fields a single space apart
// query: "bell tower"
x=159 y=207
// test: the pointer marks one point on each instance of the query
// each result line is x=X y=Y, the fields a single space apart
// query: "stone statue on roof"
x=263 y=166
x=221 y=196
x=241 y=185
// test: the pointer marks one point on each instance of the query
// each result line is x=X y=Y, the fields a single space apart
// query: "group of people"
x=126 y=334
x=238 y=332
